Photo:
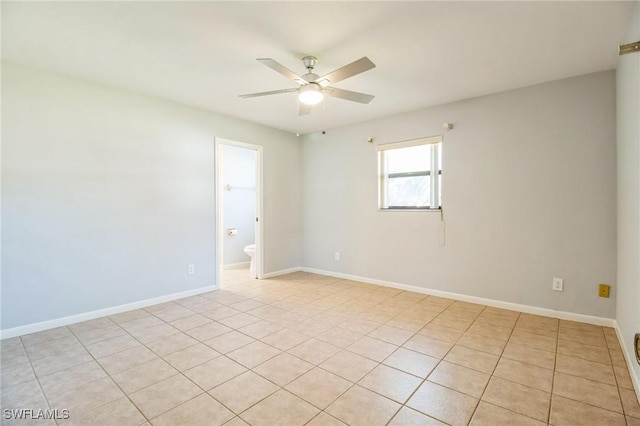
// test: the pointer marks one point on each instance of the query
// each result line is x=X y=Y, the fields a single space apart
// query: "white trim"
x=409 y=143
x=282 y=272
x=570 y=316
x=629 y=357
x=86 y=316
x=239 y=265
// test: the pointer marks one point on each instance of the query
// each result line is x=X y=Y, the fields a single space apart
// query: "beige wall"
x=108 y=195
x=528 y=195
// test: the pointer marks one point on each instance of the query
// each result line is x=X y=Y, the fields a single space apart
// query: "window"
x=410 y=174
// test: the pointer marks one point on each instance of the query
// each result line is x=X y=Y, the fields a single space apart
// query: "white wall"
x=107 y=195
x=628 y=98
x=528 y=195
x=239 y=204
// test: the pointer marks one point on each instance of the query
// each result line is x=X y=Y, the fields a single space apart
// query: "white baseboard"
x=86 y=316
x=282 y=272
x=629 y=357
x=570 y=316
x=240 y=265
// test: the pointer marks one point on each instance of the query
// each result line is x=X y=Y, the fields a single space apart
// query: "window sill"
x=411 y=210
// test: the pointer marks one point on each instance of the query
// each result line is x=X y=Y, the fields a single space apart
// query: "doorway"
x=238 y=212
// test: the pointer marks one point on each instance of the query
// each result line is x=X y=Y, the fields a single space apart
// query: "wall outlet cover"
x=603 y=290
x=558 y=284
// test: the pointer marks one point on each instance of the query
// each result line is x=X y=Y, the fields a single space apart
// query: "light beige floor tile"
x=246 y=305
x=143 y=375
x=586 y=369
x=283 y=369
x=90 y=336
x=260 y=329
x=348 y=365
x=567 y=412
x=143 y=321
x=412 y=362
x=471 y=358
x=371 y=348
x=324 y=419
x=120 y=412
x=408 y=417
x=23 y=395
x=230 y=341
x=243 y=391
x=490 y=415
x=220 y=313
x=14 y=374
x=339 y=337
x=238 y=320
x=535 y=341
x=285 y=339
x=622 y=377
x=589 y=391
x=386 y=333
x=459 y=378
x=529 y=355
x=174 y=314
x=409 y=324
x=53 y=364
x=87 y=396
x=171 y=344
x=281 y=408
x=46 y=335
x=165 y=395
x=129 y=316
x=214 y=372
x=482 y=343
x=319 y=387
x=71 y=378
x=428 y=346
x=193 y=321
x=350 y=408
x=443 y=404
x=253 y=354
x=580 y=350
x=442 y=332
x=208 y=331
x=202 y=410
x=522 y=399
x=632 y=421
x=314 y=351
x=525 y=374
x=585 y=337
x=236 y=421
x=630 y=403
x=112 y=346
x=392 y=383
x=126 y=359
x=191 y=356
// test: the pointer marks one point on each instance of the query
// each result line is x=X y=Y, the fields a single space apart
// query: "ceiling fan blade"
x=363 y=98
x=272 y=92
x=303 y=109
x=278 y=67
x=361 y=65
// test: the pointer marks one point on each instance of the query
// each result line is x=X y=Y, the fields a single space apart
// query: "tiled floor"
x=307 y=349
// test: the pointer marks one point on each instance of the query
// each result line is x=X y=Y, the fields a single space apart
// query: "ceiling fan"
x=312 y=88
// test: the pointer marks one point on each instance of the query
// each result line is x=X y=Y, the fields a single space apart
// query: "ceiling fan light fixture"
x=310 y=94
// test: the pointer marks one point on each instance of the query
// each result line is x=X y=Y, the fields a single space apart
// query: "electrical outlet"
x=336 y=256
x=603 y=290
x=191 y=269
x=558 y=284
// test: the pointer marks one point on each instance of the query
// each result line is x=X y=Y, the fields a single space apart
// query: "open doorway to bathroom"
x=239 y=207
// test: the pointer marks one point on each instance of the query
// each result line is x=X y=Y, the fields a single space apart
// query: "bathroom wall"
x=239 y=203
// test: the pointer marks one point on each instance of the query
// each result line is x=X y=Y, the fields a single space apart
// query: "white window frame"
x=433 y=172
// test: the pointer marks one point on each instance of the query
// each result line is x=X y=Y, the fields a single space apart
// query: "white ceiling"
x=203 y=53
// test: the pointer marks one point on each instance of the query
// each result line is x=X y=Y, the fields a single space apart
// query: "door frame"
x=219 y=226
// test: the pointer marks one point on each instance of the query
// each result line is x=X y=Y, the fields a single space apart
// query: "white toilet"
x=250 y=251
